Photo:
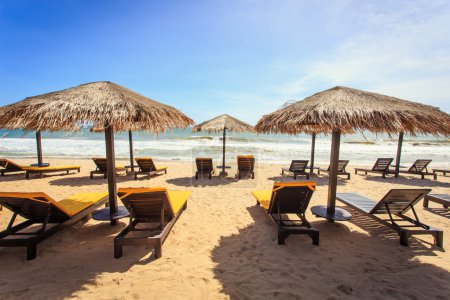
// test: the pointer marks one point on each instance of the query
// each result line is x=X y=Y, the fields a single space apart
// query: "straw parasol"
x=346 y=110
x=223 y=123
x=103 y=105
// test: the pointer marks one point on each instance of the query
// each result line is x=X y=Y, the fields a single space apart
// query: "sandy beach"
x=224 y=246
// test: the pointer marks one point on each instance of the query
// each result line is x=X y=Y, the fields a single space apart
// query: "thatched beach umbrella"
x=346 y=110
x=223 y=123
x=103 y=105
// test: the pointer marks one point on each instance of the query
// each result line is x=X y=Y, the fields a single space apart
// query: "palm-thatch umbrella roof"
x=218 y=124
x=346 y=110
x=98 y=103
x=351 y=110
x=223 y=123
x=104 y=105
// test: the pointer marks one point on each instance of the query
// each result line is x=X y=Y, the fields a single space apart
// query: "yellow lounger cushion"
x=78 y=202
x=161 y=169
x=176 y=198
x=120 y=168
x=51 y=168
x=70 y=206
x=263 y=197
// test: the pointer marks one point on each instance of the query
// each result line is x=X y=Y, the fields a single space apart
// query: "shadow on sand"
x=59 y=275
x=251 y=265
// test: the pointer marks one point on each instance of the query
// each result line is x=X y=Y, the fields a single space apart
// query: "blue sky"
x=242 y=57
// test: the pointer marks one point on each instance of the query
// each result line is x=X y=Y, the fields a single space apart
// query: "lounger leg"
x=27 y=175
x=135 y=176
x=92 y=175
x=439 y=239
x=384 y=175
x=282 y=237
x=117 y=249
x=158 y=250
x=210 y=175
x=307 y=176
x=253 y=175
x=315 y=237
x=104 y=176
x=31 y=251
x=404 y=238
x=435 y=176
x=425 y=202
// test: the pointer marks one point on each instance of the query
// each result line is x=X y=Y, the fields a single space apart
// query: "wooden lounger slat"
x=395 y=204
x=204 y=167
x=297 y=167
x=381 y=166
x=149 y=206
x=443 y=199
x=342 y=164
x=43 y=218
x=289 y=199
x=246 y=166
x=147 y=167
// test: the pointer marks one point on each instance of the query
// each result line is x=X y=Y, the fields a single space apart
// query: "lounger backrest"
x=147 y=203
x=204 y=164
x=399 y=200
x=34 y=206
x=246 y=163
x=342 y=164
x=419 y=165
x=382 y=164
x=298 y=165
x=101 y=163
x=291 y=197
x=9 y=165
x=146 y=164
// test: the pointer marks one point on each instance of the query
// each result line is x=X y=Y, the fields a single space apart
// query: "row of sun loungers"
x=161 y=208
x=245 y=166
x=45 y=216
x=419 y=167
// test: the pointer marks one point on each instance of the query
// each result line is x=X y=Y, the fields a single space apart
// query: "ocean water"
x=184 y=145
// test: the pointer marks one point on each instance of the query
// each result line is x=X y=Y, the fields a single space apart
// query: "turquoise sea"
x=184 y=145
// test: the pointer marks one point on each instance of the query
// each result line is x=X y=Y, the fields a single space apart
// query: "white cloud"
x=403 y=53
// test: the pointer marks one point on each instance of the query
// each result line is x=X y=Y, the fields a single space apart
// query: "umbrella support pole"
x=313 y=146
x=130 y=139
x=111 y=172
x=39 y=163
x=223 y=172
x=399 y=154
x=331 y=213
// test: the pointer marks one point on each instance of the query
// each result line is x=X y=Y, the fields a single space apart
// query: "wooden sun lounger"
x=443 y=171
x=283 y=201
x=297 y=167
x=342 y=164
x=149 y=206
x=443 y=199
x=395 y=204
x=419 y=167
x=204 y=167
x=147 y=167
x=8 y=167
x=44 y=216
x=102 y=167
x=246 y=166
x=381 y=166
x=50 y=169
